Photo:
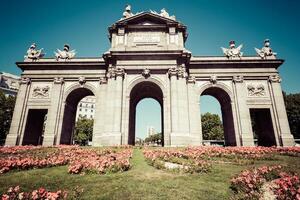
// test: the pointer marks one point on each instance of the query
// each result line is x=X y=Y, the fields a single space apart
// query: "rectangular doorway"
x=262 y=127
x=34 y=129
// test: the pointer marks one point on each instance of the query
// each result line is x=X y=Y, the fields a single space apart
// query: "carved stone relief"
x=256 y=90
x=41 y=91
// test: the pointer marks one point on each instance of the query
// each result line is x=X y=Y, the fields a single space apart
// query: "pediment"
x=147 y=19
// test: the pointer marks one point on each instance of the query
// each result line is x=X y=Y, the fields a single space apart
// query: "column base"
x=11 y=140
x=107 y=139
x=247 y=140
x=181 y=140
x=48 y=140
x=287 y=140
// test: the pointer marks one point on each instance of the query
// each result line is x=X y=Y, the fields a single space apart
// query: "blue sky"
x=211 y=24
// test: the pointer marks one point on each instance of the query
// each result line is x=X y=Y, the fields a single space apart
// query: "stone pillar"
x=244 y=129
x=51 y=129
x=113 y=109
x=99 y=120
x=194 y=113
x=287 y=138
x=179 y=107
x=18 y=120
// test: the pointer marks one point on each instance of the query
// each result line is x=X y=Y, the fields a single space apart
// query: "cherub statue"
x=266 y=51
x=65 y=54
x=164 y=13
x=232 y=52
x=33 y=53
x=127 y=13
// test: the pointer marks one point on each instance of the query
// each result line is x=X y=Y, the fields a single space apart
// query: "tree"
x=155 y=138
x=83 y=131
x=292 y=103
x=212 y=127
x=7 y=105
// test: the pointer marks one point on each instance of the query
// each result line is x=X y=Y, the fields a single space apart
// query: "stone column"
x=99 y=120
x=15 y=132
x=242 y=113
x=179 y=107
x=51 y=129
x=194 y=113
x=287 y=138
x=174 y=111
x=118 y=101
x=113 y=108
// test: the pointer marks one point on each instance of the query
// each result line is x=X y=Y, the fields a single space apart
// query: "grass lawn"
x=140 y=182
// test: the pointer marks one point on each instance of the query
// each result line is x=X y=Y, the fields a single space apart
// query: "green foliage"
x=155 y=138
x=292 y=103
x=7 y=105
x=212 y=127
x=83 y=131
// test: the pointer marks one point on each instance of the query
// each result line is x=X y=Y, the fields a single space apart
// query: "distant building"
x=86 y=108
x=151 y=131
x=9 y=83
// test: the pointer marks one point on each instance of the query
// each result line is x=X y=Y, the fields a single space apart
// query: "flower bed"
x=248 y=184
x=159 y=157
x=15 y=193
x=80 y=159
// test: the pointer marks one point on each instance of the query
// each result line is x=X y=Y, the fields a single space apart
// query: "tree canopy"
x=7 y=104
x=83 y=131
x=212 y=127
x=292 y=103
x=155 y=138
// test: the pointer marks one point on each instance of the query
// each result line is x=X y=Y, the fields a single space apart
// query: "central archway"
x=140 y=91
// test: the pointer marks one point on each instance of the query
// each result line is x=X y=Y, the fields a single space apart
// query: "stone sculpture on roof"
x=232 y=51
x=34 y=54
x=266 y=52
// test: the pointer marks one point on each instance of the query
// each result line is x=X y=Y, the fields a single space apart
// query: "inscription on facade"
x=146 y=39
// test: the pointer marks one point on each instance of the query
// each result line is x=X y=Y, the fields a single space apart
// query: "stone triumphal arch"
x=148 y=59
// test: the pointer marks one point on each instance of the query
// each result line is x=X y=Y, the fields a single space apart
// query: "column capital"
x=119 y=72
x=58 y=80
x=238 y=79
x=25 y=80
x=191 y=79
x=172 y=71
x=275 y=78
x=103 y=80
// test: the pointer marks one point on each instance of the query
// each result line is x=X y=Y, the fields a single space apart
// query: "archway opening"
x=35 y=126
x=262 y=127
x=78 y=117
x=222 y=102
x=145 y=91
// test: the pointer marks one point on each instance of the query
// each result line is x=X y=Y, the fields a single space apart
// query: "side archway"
x=224 y=97
x=72 y=98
